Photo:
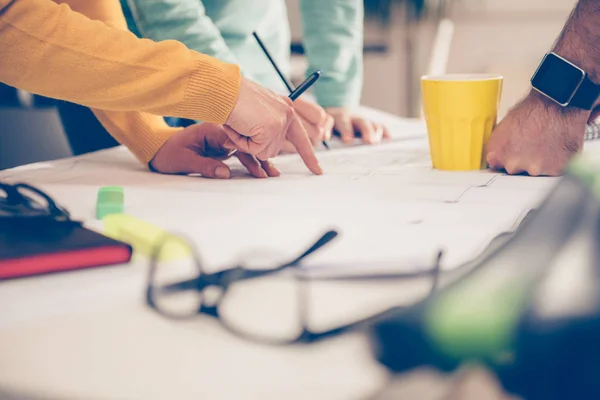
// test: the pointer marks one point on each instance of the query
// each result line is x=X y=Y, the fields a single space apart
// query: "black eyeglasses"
x=264 y=299
x=178 y=283
x=23 y=200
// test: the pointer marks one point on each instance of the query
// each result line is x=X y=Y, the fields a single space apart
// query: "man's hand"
x=318 y=124
x=347 y=124
x=316 y=121
x=537 y=137
x=198 y=149
x=260 y=123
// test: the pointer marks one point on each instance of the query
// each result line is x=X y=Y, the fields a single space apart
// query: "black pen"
x=287 y=84
x=294 y=93
x=303 y=87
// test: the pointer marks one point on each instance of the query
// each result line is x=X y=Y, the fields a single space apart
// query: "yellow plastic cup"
x=461 y=111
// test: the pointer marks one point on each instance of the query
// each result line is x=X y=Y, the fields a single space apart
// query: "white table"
x=89 y=334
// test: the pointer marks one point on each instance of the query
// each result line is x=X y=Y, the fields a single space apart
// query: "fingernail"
x=222 y=172
x=319 y=170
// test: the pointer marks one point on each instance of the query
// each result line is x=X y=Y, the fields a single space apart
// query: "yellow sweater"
x=53 y=50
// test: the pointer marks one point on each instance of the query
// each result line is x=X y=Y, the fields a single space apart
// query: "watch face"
x=557 y=78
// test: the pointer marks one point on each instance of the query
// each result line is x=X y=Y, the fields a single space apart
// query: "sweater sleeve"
x=142 y=133
x=51 y=50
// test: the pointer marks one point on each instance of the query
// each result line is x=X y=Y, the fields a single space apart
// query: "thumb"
x=209 y=168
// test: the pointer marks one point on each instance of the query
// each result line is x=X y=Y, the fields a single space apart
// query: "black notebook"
x=39 y=245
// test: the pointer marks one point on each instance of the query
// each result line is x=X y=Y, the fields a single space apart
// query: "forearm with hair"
x=579 y=42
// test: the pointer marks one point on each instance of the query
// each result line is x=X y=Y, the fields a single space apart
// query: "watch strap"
x=586 y=95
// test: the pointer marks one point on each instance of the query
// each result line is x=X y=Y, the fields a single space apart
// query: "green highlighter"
x=111 y=200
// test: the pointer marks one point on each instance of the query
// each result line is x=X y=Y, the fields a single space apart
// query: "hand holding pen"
x=315 y=119
x=261 y=122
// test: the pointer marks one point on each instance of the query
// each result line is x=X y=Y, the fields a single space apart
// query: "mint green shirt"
x=332 y=33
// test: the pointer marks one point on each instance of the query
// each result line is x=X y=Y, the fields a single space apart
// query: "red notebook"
x=40 y=245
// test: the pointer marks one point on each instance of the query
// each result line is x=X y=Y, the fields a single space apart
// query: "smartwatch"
x=565 y=83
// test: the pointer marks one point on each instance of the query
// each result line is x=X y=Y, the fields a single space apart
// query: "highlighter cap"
x=111 y=200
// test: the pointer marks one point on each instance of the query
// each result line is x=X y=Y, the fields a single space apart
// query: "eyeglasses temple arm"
x=323 y=240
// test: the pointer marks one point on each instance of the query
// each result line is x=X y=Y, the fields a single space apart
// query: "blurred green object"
x=111 y=200
x=480 y=319
x=529 y=309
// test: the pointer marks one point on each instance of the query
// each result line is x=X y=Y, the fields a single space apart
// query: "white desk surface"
x=89 y=334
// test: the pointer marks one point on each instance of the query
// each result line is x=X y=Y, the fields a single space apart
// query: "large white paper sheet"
x=393 y=212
